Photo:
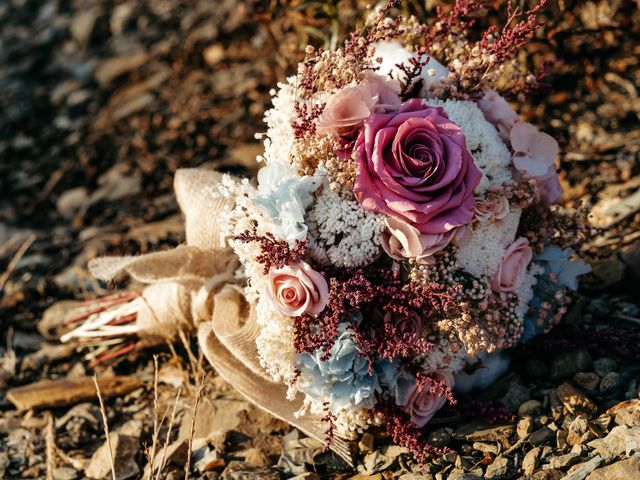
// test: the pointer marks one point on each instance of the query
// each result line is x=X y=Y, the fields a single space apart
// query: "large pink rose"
x=423 y=405
x=413 y=164
x=512 y=268
x=297 y=289
x=404 y=325
x=403 y=241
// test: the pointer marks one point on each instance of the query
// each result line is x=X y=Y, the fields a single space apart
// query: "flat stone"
x=575 y=401
x=627 y=412
x=609 y=382
x=587 y=380
x=241 y=471
x=486 y=447
x=530 y=461
x=580 y=472
x=125 y=451
x=530 y=407
x=628 y=469
x=440 y=438
x=612 y=445
x=482 y=433
x=525 y=427
x=602 y=366
x=541 y=436
x=498 y=469
x=65 y=473
x=567 y=364
x=562 y=462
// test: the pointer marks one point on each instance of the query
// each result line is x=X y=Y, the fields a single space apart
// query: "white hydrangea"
x=481 y=256
x=344 y=234
x=491 y=155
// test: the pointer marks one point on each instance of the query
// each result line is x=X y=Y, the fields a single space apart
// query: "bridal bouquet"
x=401 y=227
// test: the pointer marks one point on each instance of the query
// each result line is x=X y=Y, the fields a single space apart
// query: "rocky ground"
x=100 y=102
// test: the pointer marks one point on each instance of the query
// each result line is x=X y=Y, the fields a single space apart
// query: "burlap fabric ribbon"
x=192 y=288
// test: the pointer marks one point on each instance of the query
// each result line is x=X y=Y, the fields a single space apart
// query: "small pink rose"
x=404 y=325
x=346 y=109
x=297 y=289
x=498 y=112
x=492 y=209
x=403 y=241
x=535 y=152
x=421 y=406
x=512 y=268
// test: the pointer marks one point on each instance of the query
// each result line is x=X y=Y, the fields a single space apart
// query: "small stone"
x=609 y=382
x=602 y=366
x=498 y=468
x=562 y=462
x=579 y=472
x=541 y=436
x=574 y=401
x=567 y=364
x=525 y=427
x=72 y=201
x=530 y=461
x=65 y=473
x=586 y=380
x=486 y=447
x=366 y=442
x=241 y=471
x=627 y=412
x=125 y=451
x=530 y=407
x=213 y=54
x=628 y=469
x=440 y=438
x=515 y=395
x=306 y=476
x=561 y=439
x=577 y=428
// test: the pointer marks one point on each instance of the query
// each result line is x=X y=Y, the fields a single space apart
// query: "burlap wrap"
x=192 y=287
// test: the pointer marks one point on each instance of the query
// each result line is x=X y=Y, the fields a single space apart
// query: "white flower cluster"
x=345 y=235
x=491 y=155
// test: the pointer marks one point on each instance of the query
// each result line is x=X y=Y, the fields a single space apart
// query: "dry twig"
x=106 y=426
x=168 y=437
x=50 y=447
x=187 y=468
x=16 y=258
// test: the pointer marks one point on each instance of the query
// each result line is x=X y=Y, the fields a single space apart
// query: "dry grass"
x=106 y=426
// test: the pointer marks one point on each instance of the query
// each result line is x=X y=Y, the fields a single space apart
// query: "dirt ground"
x=100 y=103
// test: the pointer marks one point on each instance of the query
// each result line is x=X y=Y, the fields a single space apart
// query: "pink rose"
x=512 y=268
x=498 y=112
x=492 y=209
x=413 y=165
x=535 y=152
x=403 y=241
x=411 y=326
x=345 y=110
x=421 y=406
x=297 y=289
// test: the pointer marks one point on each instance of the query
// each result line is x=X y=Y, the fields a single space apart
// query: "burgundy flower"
x=413 y=164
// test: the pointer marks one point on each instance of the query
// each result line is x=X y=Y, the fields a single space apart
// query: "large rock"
x=628 y=469
x=125 y=451
x=567 y=364
x=575 y=401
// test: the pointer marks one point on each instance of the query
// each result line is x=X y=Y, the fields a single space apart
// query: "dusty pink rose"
x=413 y=165
x=345 y=110
x=492 y=209
x=421 y=406
x=297 y=289
x=403 y=241
x=498 y=111
x=535 y=152
x=404 y=325
x=512 y=268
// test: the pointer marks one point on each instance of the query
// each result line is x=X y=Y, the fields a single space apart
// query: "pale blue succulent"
x=556 y=263
x=285 y=196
